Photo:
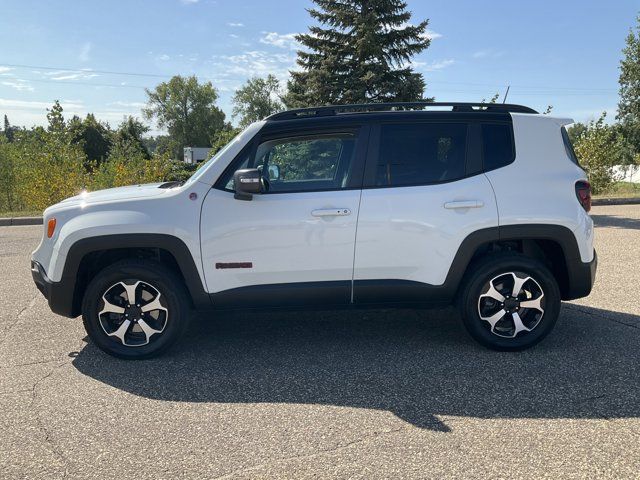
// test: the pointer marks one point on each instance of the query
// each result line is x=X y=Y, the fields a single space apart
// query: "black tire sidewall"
x=489 y=268
x=160 y=278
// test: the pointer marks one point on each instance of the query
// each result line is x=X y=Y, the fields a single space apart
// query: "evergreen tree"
x=361 y=52
x=8 y=129
x=57 y=124
x=629 y=105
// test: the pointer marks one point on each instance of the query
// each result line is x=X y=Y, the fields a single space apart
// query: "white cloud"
x=164 y=57
x=35 y=105
x=5 y=69
x=229 y=72
x=488 y=53
x=235 y=24
x=18 y=84
x=69 y=74
x=128 y=104
x=75 y=76
x=256 y=62
x=433 y=66
x=281 y=40
x=85 y=52
x=431 y=35
x=189 y=2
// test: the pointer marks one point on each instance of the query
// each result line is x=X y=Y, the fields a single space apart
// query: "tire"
x=488 y=290
x=106 y=309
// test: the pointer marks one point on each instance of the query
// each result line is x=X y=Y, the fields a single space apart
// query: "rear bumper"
x=58 y=294
x=581 y=278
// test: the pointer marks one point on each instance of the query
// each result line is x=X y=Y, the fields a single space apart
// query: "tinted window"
x=497 y=146
x=421 y=153
x=312 y=163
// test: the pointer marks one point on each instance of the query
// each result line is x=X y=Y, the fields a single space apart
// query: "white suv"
x=405 y=205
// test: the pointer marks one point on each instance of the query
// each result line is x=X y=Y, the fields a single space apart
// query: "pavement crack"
x=573 y=306
x=313 y=454
x=28 y=364
x=31 y=303
x=40 y=424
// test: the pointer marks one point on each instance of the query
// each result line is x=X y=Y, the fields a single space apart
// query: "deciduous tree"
x=629 y=105
x=256 y=99
x=187 y=110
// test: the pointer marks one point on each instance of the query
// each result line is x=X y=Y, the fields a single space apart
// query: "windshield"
x=203 y=167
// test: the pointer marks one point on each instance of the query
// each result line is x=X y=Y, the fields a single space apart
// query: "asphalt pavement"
x=364 y=394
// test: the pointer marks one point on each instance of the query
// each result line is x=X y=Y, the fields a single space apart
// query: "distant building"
x=196 y=154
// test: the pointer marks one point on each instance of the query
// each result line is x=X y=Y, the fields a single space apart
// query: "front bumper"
x=58 y=294
x=581 y=278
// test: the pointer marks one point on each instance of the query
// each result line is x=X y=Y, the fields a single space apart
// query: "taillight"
x=583 y=192
x=51 y=227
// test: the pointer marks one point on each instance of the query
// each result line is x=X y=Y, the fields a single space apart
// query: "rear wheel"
x=509 y=302
x=135 y=309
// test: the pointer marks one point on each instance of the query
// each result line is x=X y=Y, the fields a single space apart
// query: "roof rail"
x=331 y=110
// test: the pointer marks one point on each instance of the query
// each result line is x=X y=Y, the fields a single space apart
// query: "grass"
x=621 y=190
x=25 y=213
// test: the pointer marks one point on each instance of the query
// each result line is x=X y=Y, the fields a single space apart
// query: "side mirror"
x=247 y=182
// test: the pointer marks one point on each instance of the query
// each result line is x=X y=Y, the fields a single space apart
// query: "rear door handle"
x=464 y=204
x=331 y=212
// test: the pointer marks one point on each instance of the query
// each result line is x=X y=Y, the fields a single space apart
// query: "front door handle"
x=464 y=204
x=331 y=212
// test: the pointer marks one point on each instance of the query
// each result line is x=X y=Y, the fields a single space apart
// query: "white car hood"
x=116 y=194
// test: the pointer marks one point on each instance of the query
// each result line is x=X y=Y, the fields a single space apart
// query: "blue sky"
x=563 y=53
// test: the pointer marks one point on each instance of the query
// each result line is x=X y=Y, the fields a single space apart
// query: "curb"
x=15 y=221
x=615 y=201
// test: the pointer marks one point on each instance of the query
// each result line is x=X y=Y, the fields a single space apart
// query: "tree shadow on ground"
x=416 y=364
x=615 y=221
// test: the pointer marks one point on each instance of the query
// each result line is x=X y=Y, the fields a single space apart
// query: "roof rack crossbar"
x=403 y=106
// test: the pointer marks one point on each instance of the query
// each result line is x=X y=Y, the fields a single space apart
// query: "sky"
x=98 y=56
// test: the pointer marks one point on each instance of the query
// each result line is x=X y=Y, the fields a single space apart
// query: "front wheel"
x=135 y=309
x=509 y=302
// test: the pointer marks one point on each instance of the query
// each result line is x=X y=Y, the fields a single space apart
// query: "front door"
x=294 y=244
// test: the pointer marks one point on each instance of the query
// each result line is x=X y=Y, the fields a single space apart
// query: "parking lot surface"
x=373 y=394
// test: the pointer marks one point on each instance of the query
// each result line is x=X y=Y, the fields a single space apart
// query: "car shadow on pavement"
x=420 y=365
x=614 y=221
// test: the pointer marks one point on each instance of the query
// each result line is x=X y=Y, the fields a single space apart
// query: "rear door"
x=293 y=245
x=424 y=192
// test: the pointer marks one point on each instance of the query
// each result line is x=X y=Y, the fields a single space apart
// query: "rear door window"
x=420 y=154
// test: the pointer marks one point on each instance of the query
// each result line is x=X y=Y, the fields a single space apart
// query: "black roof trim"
x=333 y=110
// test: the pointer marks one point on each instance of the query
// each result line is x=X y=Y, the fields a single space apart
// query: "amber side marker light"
x=51 y=227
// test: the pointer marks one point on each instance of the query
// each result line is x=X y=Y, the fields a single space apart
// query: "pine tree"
x=8 y=129
x=55 y=118
x=629 y=105
x=361 y=53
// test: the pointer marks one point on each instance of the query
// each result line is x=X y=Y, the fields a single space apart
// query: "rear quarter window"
x=498 y=149
x=568 y=146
